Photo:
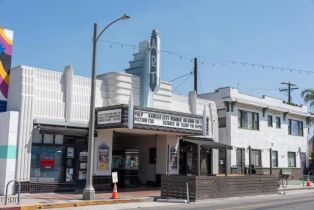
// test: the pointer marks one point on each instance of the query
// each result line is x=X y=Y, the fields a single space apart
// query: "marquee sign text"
x=167 y=120
x=109 y=117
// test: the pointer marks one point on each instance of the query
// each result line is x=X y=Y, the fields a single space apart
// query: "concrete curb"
x=171 y=200
x=73 y=204
x=301 y=188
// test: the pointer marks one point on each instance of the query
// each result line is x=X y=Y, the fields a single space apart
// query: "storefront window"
x=48 y=139
x=46 y=164
x=131 y=161
x=275 y=158
x=291 y=159
x=173 y=160
x=256 y=157
x=188 y=158
x=240 y=157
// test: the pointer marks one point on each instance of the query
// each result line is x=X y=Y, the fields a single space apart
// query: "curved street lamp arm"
x=124 y=17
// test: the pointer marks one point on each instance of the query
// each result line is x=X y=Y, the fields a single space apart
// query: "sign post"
x=115 y=194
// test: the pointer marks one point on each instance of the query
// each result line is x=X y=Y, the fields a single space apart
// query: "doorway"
x=134 y=157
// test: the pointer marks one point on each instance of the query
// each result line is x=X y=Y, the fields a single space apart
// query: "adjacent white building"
x=261 y=124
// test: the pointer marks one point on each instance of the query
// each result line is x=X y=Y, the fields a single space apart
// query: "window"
x=240 y=156
x=47 y=163
x=249 y=120
x=48 y=139
x=222 y=158
x=295 y=128
x=270 y=120
x=274 y=158
x=221 y=118
x=278 y=122
x=256 y=157
x=291 y=159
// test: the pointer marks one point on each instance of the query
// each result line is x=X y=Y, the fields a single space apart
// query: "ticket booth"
x=126 y=163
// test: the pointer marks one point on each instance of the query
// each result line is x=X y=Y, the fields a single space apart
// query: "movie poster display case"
x=125 y=162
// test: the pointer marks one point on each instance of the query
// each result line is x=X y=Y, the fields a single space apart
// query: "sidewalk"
x=61 y=200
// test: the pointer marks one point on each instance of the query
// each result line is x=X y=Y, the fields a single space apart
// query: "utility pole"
x=289 y=89
x=195 y=75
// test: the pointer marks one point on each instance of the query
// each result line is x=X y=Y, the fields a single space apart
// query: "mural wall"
x=6 y=43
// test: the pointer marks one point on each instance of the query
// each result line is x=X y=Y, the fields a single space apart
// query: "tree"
x=308 y=96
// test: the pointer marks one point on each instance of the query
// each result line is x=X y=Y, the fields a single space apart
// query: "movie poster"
x=103 y=156
x=6 y=43
x=173 y=160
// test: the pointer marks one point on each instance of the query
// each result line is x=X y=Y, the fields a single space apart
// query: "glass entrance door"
x=205 y=162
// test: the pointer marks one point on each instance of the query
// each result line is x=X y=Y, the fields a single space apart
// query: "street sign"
x=114 y=177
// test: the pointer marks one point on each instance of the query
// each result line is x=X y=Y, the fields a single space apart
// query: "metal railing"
x=17 y=201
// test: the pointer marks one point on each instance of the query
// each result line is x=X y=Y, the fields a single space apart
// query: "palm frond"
x=308 y=95
x=306 y=91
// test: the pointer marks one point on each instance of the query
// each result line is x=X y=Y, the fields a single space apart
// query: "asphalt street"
x=303 y=199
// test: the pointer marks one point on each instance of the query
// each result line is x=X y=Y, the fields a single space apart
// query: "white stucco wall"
x=8 y=147
x=266 y=137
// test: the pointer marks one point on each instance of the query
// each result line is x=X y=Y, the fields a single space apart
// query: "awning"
x=60 y=130
x=206 y=143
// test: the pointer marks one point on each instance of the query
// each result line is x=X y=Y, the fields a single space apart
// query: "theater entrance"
x=134 y=158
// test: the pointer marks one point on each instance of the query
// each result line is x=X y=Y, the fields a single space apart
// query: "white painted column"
x=68 y=83
x=163 y=143
x=23 y=164
x=161 y=154
x=8 y=148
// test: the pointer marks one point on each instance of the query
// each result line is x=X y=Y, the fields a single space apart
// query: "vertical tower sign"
x=6 y=43
x=154 y=61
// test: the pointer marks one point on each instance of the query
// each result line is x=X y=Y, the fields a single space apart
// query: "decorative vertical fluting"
x=68 y=83
x=25 y=126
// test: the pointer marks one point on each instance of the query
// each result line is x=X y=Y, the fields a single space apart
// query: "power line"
x=190 y=73
x=289 y=89
x=213 y=62
x=181 y=83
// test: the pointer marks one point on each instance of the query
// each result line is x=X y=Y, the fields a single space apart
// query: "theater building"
x=269 y=130
x=140 y=123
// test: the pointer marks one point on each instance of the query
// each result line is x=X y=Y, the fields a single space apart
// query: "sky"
x=53 y=34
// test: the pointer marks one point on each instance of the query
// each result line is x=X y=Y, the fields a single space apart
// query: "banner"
x=6 y=43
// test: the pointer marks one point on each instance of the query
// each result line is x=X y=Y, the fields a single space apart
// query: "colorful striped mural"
x=6 y=43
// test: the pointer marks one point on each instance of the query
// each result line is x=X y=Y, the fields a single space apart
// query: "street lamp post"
x=89 y=191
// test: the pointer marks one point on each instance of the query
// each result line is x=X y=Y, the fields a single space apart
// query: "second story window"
x=248 y=120
x=270 y=120
x=278 y=122
x=222 y=118
x=295 y=127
